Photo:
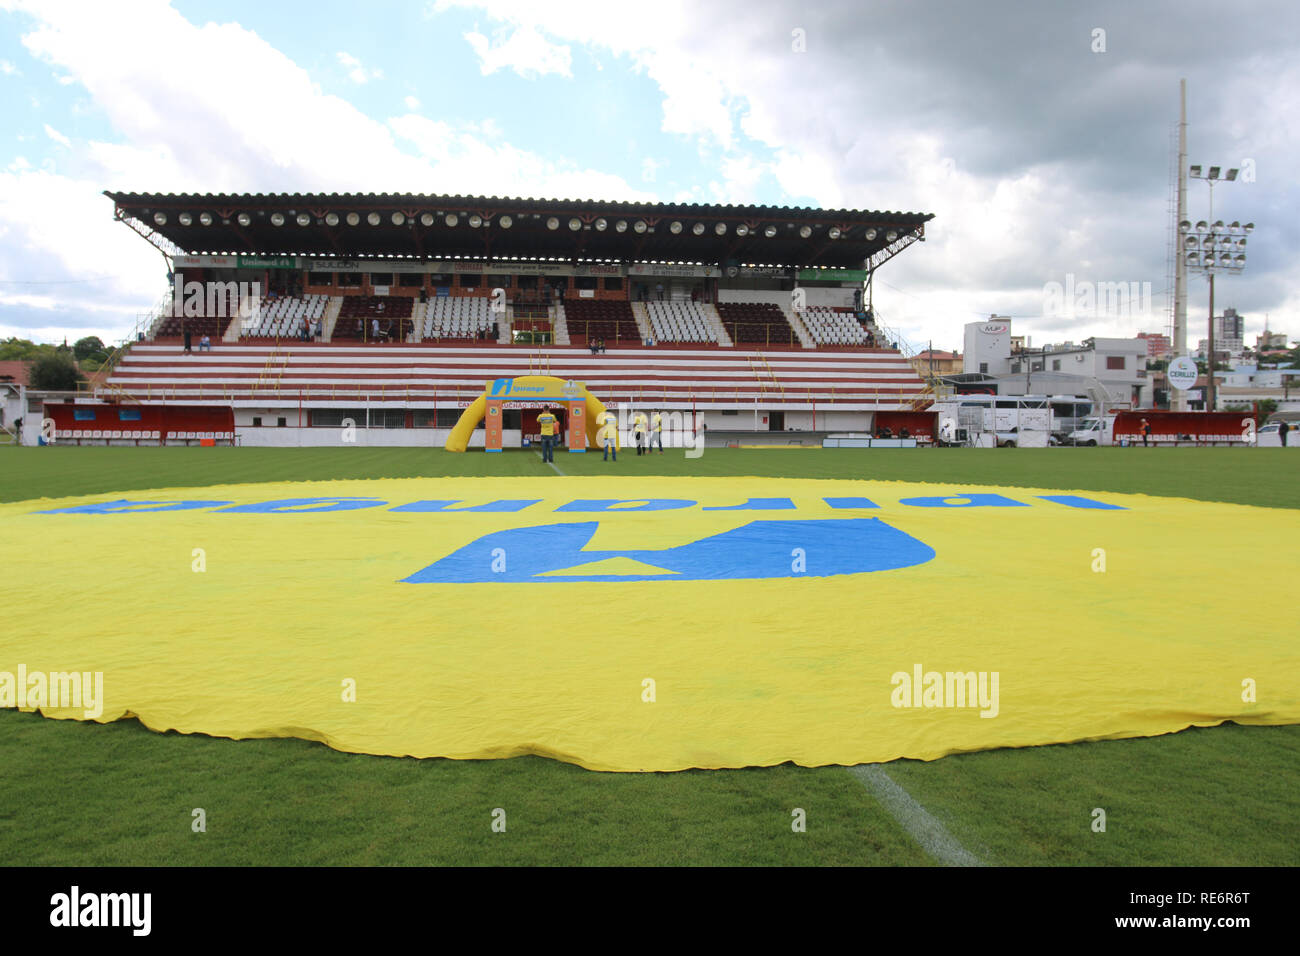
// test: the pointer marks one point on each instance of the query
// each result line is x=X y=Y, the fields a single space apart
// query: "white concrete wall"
x=294 y=437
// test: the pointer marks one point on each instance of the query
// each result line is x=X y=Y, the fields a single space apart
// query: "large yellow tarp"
x=624 y=635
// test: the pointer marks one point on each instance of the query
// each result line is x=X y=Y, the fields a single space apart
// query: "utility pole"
x=1179 y=396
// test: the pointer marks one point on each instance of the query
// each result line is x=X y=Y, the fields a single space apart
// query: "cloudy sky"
x=1038 y=133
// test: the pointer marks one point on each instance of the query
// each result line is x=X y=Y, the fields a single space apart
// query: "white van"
x=1269 y=436
x=1098 y=430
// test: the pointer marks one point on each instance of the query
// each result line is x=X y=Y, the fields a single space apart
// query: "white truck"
x=1096 y=430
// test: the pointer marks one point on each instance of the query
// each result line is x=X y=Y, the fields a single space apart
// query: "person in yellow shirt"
x=639 y=425
x=656 y=433
x=548 y=424
x=608 y=434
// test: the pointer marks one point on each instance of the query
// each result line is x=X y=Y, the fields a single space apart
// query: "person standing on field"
x=656 y=432
x=638 y=429
x=608 y=435
x=548 y=422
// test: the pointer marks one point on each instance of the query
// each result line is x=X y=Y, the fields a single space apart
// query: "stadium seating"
x=756 y=323
x=454 y=317
x=678 y=322
x=608 y=319
x=833 y=326
x=358 y=311
x=282 y=317
x=174 y=326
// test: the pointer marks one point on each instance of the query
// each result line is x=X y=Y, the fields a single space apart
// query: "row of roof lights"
x=505 y=222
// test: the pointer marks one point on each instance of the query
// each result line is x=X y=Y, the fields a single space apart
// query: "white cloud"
x=166 y=138
x=525 y=51
x=357 y=73
x=58 y=137
x=649 y=169
x=412 y=103
x=7 y=68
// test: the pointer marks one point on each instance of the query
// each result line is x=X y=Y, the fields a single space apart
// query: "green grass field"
x=78 y=793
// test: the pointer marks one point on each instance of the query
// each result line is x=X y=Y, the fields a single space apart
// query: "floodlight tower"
x=1210 y=249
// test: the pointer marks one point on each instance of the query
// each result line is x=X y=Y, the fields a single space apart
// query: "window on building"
x=320 y=278
x=128 y=414
x=381 y=278
x=83 y=414
x=257 y=421
x=350 y=279
x=613 y=283
x=281 y=422
x=585 y=282
x=410 y=280
x=984 y=368
x=1115 y=362
x=526 y=282
x=468 y=280
x=1056 y=365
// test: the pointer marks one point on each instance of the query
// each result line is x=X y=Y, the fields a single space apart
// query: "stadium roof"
x=423 y=227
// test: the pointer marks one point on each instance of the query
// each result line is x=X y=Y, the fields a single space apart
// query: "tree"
x=54 y=372
x=90 y=347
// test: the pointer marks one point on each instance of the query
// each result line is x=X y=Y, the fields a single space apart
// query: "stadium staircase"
x=642 y=320
x=559 y=325
x=800 y=330
x=260 y=375
x=715 y=324
x=331 y=318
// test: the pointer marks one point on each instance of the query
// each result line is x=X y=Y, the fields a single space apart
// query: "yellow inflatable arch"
x=458 y=440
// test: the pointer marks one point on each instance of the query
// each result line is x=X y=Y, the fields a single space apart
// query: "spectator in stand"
x=595 y=346
x=187 y=340
x=205 y=344
x=659 y=291
x=374 y=330
x=1146 y=433
x=361 y=327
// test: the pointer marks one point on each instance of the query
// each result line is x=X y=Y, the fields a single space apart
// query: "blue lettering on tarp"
x=123 y=506
x=850 y=502
x=760 y=549
x=963 y=501
x=504 y=505
x=757 y=504
x=291 y=506
x=642 y=504
x=1075 y=501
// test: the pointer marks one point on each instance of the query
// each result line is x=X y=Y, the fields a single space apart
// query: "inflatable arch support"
x=531 y=388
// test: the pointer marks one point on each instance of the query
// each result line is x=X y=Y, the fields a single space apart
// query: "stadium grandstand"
x=295 y=312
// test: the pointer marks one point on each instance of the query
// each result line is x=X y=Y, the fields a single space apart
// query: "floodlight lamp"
x=834 y=232
x=398 y=218
x=1194 y=172
x=354 y=219
x=553 y=223
x=160 y=218
x=331 y=219
x=244 y=219
x=373 y=219
x=505 y=222
x=805 y=232
x=277 y=219
x=205 y=218
x=770 y=231
x=475 y=221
